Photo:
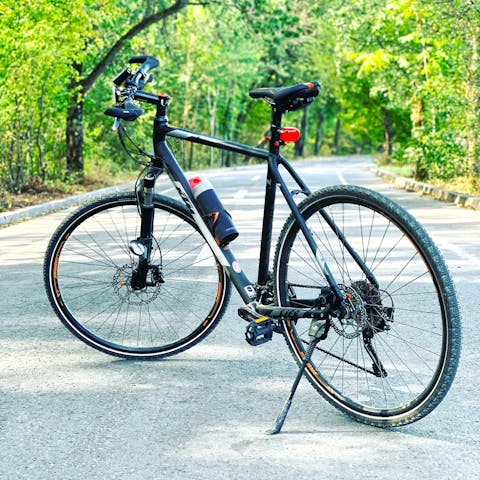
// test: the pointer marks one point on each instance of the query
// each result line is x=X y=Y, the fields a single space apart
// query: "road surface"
x=70 y=412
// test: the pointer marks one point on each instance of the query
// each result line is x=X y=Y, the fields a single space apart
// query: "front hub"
x=122 y=286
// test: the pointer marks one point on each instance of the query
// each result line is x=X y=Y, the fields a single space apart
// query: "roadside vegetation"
x=400 y=80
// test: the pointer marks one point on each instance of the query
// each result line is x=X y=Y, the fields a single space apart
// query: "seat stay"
x=273 y=162
x=336 y=230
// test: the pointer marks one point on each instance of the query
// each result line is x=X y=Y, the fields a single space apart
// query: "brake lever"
x=122 y=76
x=142 y=83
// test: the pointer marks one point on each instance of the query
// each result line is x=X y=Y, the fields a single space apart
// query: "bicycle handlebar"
x=132 y=83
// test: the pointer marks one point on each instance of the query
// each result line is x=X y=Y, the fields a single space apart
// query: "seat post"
x=270 y=190
x=275 y=128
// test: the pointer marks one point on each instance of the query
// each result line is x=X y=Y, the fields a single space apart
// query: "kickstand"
x=317 y=328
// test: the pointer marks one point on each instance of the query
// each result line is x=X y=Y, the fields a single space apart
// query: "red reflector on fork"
x=289 y=134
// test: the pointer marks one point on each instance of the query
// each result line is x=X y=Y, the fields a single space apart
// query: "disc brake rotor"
x=353 y=325
x=372 y=300
x=122 y=287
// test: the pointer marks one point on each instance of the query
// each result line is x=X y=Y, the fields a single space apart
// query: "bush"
x=437 y=155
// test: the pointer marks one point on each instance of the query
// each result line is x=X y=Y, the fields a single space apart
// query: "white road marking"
x=204 y=257
x=341 y=177
x=240 y=194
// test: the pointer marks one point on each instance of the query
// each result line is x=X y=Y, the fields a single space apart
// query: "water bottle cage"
x=211 y=219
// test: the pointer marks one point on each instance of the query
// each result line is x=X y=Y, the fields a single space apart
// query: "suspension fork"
x=142 y=246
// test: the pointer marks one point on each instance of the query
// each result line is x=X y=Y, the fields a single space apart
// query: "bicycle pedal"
x=259 y=331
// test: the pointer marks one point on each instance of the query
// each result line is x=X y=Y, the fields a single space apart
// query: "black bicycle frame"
x=165 y=160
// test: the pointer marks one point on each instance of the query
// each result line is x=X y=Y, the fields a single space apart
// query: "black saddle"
x=287 y=96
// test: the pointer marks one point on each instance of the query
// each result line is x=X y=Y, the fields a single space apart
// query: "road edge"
x=438 y=193
x=408 y=184
x=14 y=216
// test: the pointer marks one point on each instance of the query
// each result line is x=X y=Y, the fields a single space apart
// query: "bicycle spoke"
x=380 y=360
x=177 y=308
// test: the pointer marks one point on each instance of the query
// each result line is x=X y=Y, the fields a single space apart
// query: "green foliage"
x=400 y=77
x=39 y=42
x=436 y=156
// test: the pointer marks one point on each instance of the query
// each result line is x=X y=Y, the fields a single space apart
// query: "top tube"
x=215 y=142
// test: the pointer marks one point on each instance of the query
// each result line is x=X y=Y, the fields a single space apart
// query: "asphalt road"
x=70 y=412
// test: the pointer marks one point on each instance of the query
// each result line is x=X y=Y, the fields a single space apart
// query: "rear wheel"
x=88 y=269
x=394 y=360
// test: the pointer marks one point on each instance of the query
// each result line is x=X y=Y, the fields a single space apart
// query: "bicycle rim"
x=88 y=269
x=411 y=318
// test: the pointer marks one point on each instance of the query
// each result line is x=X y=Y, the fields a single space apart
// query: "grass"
x=468 y=185
x=36 y=192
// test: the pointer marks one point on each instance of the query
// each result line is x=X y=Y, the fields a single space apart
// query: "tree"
x=39 y=41
x=398 y=76
x=82 y=82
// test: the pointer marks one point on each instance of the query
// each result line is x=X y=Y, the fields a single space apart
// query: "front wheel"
x=88 y=270
x=394 y=359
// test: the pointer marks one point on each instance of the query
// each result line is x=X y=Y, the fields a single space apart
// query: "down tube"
x=224 y=255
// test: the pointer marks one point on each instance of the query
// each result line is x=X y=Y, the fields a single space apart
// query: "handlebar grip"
x=128 y=114
x=139 y=59
x=123 y=113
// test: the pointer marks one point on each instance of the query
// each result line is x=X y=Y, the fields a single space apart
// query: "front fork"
x=142 y=246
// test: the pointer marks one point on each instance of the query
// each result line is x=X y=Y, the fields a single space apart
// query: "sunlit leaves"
x=415 y=62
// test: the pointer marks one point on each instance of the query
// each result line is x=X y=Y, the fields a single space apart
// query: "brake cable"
x=123 y=134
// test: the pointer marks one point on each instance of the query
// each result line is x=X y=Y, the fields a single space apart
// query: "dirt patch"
x=35 y=193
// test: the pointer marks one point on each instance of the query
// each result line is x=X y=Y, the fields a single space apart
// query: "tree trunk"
x=319 y=134
x=190 y=156
x=336 y=138
x=212 y=102
x=74 y=134
x=388 y=134
x=74 y=127
x=416 y=116
x=300 y=144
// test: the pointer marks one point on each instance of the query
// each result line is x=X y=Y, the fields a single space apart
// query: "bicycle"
x=357 y=288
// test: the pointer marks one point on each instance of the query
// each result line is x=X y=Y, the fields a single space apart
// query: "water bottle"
x=211 y=207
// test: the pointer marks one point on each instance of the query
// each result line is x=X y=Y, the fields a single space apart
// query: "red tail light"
x=289 y=134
